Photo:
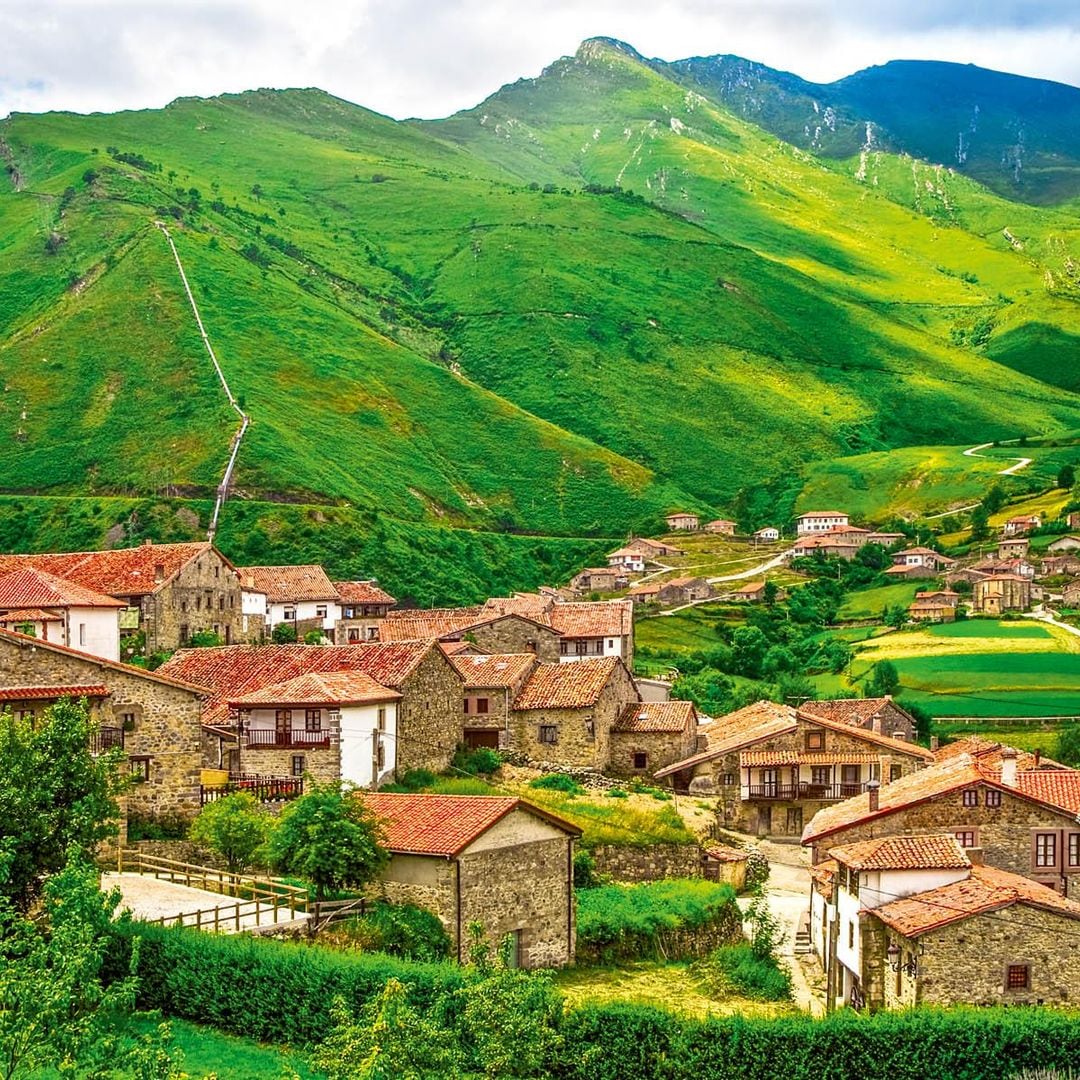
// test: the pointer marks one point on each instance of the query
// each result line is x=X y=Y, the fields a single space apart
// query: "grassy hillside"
x=470 y=328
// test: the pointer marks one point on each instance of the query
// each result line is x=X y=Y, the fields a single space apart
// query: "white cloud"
x=430 y=58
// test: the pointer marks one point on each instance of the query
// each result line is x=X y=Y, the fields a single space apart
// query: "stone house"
x=1005 y=566
x=491 y=683
x=1021 y=814
x=602 y=628
x=881 y=715
x=966 y=574
x=1063 y=544
x=1021 y=525
x=774 y=767
x=428 y=713
x=683 y=521
x=363 y=607
x=684 y=590
x=652 y=549
x=154 y=718
x=644 y=594
x=489 y=631
x=170 y=591
x=931 y=610
x=999 y=593
x=647 y=736
x=819 y=521
x=1071 y=594
x=914 y=920
x=884 y=539
x=599 y=579
x=1073 y=519
x=564 y=714
x=497 y=861
x=919 y=562
x=1057 y=565
x=721 y=527
x=826 y=545
x=53 y=609
x=337 y=725
x=753 y=593
x=302 y=597
x=1013 y=548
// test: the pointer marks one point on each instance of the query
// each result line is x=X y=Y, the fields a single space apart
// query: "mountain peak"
x=601 y=48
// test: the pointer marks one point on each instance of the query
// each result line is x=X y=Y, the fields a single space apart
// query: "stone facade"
x=429 y=714
x=164 y=740
x=1004 y=833
x=512 y=634
x=322 y=763
x=653 y=862
x=659 y=748
x=516 y=878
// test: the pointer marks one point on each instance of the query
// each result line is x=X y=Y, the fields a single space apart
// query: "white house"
x=302 y=596
x=767 y=535
x=922 y=556
x=683 y=521
x=816 y=521
x=339 y=725
x=629 y=559
x=57 y=610
x=1021 y=525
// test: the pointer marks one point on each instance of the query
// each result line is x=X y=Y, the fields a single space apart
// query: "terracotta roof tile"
x=320 y=688
x=856 y=712
x=530 y=605
x=24 y=615
x=572 y=685
x=233 y=671
x=903 y=853
x=603 y=618
x=759 y=758
x=30 y=586
x=38 y=693
x=436 y=622
x=362 y=592
x=824 y=875
x=444 y=825
x=657 y=716
x=497 y=670
x=987 y=889
x=286 y=584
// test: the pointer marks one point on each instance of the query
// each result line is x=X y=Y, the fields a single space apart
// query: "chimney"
x=872 y=790
x=1038 y=757
x=1008 y=766
x=159 y=571
x=975 y=855
x=875 y=724
x=147 y=542
x=934 y=743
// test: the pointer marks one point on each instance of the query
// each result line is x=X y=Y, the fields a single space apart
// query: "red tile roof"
x=25 y=615
x=758 y=758
x=434 y=623
x=989 y=753
x=657 y=716
x=887 y=742
x=30 y=587
x=575 y=684
x=362 y=592
x=497 y=670
x=603 y=618
x=824 y=875
x=233 y=671
x=52 y=693
x=903 y=853
x=320 y=688
x=987 y=889
x=445 y=825
x=855 y=712
x=288 y=584
x=528 y=605
x=133 y=571
x=823 y=513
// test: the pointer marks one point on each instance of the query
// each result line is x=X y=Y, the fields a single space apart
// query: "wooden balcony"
x=264 y=788
x=103 y=739
x=271 y=739
x=802 y=790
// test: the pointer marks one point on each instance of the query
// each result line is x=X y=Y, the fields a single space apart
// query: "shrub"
x=585 y=876
x=235 y=827
x=558 y=782
x=738 y=968
x=314 y=637
x=404 y=930
x=412 y=781
x=479 y=762
x=156 y=827
x=283 y=634
x=617 y=793
x=205 y=639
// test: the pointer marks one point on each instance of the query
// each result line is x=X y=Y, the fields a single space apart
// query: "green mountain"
x=502 y=338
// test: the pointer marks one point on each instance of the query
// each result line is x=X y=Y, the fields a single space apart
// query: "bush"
x=558 y=782
x=738 y=968
x=479 y=762
x=404 y=930
x=412 y=781
x=156 y=827
x=283 y=634
x=585 y=876
x=617 y=793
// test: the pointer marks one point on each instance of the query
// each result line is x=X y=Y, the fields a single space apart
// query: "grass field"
x=868 y=603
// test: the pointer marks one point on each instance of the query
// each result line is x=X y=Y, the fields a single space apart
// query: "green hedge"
x=626 y=1042
x=274 y=991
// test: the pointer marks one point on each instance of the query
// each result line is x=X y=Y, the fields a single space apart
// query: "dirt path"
x=1010 y=470
x=234 y=446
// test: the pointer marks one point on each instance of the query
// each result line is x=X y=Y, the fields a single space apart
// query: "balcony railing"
x=803 y=790
x=264 y=788
x=272 y=739
x=106 y=738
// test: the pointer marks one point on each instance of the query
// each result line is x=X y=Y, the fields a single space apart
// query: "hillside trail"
x=1011 y=470
x=245 y=420
x=754 y=571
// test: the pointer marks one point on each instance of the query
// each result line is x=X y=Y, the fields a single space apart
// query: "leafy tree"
x=205 y=639
x=980 y=522
x=56 y=798
x=884 y=680
x=748 y=647
x=328 y=838
x=791 y=688
x=770 y=592
x=235 y=827
x=313 y=637
x=894 y=615
x=1066 y=476
x=284 y=634
x=1067 y=745
x=257 y=191
x=995 y=498
x=778 y=659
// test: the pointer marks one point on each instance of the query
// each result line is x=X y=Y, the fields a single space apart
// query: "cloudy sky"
x=432 y=57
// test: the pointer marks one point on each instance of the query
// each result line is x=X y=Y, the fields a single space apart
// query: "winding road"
x=1011 y=470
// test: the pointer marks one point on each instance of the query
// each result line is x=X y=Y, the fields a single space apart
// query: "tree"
x=884 y=680
x=256 y=191
x=56 y=797
x=205 y=639
x=980 y=522
x=1067 y=745
x=748 y=647
x=894 y=615
x=330 y=839
x=314 y=637
x=1066 y=476
x=770 y=592
x=235 y=827
x=995 y=498
x=284 y=634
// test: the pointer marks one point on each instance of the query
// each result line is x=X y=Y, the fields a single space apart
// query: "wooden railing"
x=106 y=738
x=803 y=790
x=264 y=788
x=270 y=738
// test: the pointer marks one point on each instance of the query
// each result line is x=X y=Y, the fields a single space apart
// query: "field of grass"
x=1031 y=737
x=867 y=603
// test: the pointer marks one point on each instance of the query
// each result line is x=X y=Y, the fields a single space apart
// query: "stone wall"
x=429 y=718
x=659 y=747
x=425 y=881
x=166 y=729
x=512 y=634
x=322 y=763
x=652 y=862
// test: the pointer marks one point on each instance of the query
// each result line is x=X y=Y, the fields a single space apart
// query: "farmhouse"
x=885 y=539
x=153 y=718
x=302 y=597
x=1057 y=565
x=1022 y=817
x=721 y=527
x=488 y=630
x=914 y=920
x=964 y=573
x=818 y=521
x=651 y=549
x=753 y=592
x=1021 y=525
x=363 y=607
x=881 y=715
x=827 y=545
x=999 y=593
x=647 y=736
x=491 y=684
x=774 y=766
x=684 y=590
x=495 y=861
x=919 y=562
x=1013 y=548
x=682 y=521
x=628 y=560
x=1063 y=544
x=599 y=579
x=644 y=594
x=1071 y=595
x=933 y=610
x=602 y=628
x=1005 y=566
x=770 y=534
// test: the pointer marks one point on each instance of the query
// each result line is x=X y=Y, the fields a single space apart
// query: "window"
x=581 y=648
x=820 y=775
x=283 y=718
x=895 y=772
x=382 y=717
x=1018 y=977
x=217 y=571
x=82 y=633
x=127 y=721
x=849 y=775
x=1074 y=849
x=298 y=764
x=815 y=740
x=25 y=715
x=971 y=797
x=183 y=605
x=853 y=883
x=348 y=612
x=481 y=705
x=549 y=733
x=320 y=611
x=564 y=648
x=354 y=633
x=198 y=603
x=221 y=603
x=993 y=798
x=140 y=768
x=851 y=934
x=380 y=755
x=313 y=719
x=610 y=644
x=466 y=706
x=289 y=614
x=874 y=770
x=184 y=633
x=641 y=759
x=966 y=838
x=729 y=779
x=1046 y=849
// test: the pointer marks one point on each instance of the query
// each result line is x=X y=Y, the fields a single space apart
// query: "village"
x=906 y=870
